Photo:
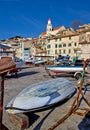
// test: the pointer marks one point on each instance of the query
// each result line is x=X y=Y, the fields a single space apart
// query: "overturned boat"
x=41 y=95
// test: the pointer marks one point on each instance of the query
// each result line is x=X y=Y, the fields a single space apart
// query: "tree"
x=75 y=24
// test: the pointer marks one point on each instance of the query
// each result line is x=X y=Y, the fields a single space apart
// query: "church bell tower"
x=49 y=26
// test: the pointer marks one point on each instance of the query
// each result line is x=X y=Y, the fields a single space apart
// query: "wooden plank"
x=6 y=64
x=21 y=121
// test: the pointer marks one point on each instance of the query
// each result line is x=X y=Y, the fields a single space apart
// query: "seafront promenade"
x=43 y=120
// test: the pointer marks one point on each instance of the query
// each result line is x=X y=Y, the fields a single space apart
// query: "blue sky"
x=28 y=18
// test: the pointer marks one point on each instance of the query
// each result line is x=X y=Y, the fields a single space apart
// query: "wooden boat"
x=17 y=63
x=41 y=95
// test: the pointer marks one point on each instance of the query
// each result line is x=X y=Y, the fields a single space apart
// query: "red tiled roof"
x=57 y=28
x=35 y=39
x=43 y=33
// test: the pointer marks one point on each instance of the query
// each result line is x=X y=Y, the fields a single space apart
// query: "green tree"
x=75 y=24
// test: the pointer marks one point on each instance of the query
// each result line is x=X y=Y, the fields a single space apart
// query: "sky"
x=28 y=18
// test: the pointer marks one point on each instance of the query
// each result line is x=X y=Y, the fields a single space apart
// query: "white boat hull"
x=41 y=95
x=58 y=69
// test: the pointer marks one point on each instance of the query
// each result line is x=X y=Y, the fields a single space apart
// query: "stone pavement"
x=43 y=120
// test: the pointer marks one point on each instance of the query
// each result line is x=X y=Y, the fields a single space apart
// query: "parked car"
x=79 y=62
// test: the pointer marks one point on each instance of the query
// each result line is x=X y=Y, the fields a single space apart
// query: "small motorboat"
x=57 y=69
x=60 y=69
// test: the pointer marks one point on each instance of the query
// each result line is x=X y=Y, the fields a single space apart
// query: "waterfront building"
x=59 y=41
x=84 y=41
x=53 y=42
x=6 y=50
x=66 y=41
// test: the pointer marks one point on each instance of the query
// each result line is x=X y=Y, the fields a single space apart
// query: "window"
x=48 y=51
x=60 y=39
x=69 y=38
x=48 y=40
x=44 y=49
x=64 y=51
x=43 y=44
x=49 y=46
x=59 y=51
x=26 y=48
x=75 y=44
x=20 y=45
x=60 y=45
x=55 y=40
x=75 y=51
x=69 y=51
x=82 y=37
x=56 y=45
x=64 y=45
x=55 y=51
x=69 y=44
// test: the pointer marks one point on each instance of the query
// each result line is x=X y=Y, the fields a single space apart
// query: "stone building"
x=66 y=41
x=84 y=41
x=53 y=42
